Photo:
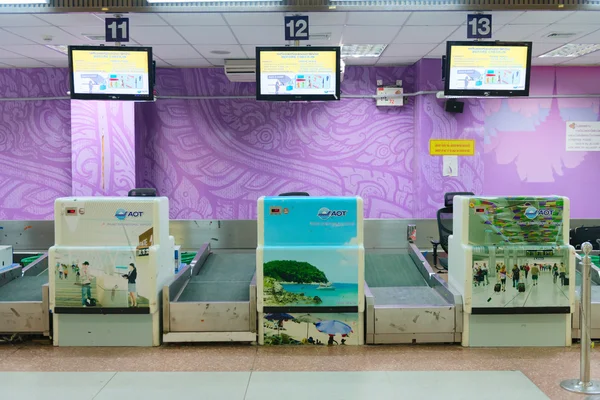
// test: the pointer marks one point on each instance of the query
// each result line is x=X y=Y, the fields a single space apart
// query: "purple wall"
x=520 y=143
x=35 y=143
x=214 y=158
x=103 y=150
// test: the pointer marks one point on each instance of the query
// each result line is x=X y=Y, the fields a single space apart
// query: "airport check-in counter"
x=213 y=299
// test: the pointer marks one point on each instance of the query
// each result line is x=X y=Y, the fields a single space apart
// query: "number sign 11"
x=479 y=26
x=116 y=29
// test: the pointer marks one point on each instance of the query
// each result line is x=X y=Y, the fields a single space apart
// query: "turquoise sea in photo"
x=345 y=294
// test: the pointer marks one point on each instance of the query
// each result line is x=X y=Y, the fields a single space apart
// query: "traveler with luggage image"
x=516 y=273
x=562 y=272
x=485 y=272
x=86 y=286
x=502 y=274
x=535 y=271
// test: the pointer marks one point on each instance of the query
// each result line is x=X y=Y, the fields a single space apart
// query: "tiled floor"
x=545 y=367
x=298 y=385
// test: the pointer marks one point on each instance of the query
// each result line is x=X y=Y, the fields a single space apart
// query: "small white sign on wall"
x=583 y=136
x=450 y=166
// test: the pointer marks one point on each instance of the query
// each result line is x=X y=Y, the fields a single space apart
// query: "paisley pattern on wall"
x=520 y=142
x=435 y=123
x=35 y=148
x=215 y=158
x=103 y=162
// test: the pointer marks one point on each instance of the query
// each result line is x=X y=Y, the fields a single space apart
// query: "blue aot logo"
x=121 y=214
x=531 y=212
x=325 y=213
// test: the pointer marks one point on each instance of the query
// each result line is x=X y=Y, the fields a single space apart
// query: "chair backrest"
x=444 y=221
x=449 y=197
x=445 y=216
x=294 y=194
x=142 y=192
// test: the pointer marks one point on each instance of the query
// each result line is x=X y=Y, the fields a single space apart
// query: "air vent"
x=320 y=36
x=94 y=38
x=560 y=35
x=241 y=70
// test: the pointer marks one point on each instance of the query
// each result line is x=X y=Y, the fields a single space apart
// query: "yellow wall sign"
x=458 y=147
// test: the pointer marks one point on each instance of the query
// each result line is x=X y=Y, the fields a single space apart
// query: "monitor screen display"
x=488 y=68
x=297 y=73
x=111 y=73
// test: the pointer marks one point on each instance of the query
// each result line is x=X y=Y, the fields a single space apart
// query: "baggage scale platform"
x=24 y=297
x=213 y=299
x=406 y=301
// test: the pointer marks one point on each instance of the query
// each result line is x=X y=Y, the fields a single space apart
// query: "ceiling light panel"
x=362 y=50
x=572 y=50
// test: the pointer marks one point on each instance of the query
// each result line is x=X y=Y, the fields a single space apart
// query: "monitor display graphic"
x=105 y=73
x=488 y=69
x=298 y=73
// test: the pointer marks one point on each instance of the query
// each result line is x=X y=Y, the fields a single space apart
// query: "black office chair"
x=444 y=221
x=294 y=194
x=142 y=192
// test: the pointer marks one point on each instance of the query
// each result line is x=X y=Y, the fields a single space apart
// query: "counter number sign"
x=116 y=30
x=479 y=26
x=296 y=27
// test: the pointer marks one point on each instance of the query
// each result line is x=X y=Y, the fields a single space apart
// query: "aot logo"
x=532 y=212
x=122 y=214
x=325 y=213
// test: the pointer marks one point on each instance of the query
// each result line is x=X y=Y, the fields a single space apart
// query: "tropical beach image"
x=310 y=277
x=310 y=329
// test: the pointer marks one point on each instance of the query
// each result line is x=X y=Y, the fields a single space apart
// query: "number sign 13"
x=479 y=26
x=296 y=27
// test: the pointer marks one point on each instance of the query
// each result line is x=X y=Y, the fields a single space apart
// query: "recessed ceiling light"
x=206 y=1
x=60 y=48
x=572 y=50
x=94 y=37
x=362 y=50
x=220 y=52
x=23 y=1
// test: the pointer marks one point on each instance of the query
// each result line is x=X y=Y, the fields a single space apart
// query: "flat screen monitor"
x=111 y=73
x=487 y=69
x=297 y=73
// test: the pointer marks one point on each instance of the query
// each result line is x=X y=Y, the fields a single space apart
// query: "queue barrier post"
x=584 y=384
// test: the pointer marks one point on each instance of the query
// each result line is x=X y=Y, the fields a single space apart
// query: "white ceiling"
x=189 y=39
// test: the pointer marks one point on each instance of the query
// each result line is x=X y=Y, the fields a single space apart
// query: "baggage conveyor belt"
x=213 y=299
x=24 y=298
x=406 y=302
x=225 y=276
x=25 y=288
x=394 y=279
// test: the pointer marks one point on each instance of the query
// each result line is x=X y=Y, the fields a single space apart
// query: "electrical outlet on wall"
x=379 y=82
x=398 y=82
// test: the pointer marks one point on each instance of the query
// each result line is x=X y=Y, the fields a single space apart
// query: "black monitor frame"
x=486 y=93
x=301 y=97
x=125 y=97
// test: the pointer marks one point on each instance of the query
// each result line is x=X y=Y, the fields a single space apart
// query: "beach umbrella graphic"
x=279 y=317
x=332 y=328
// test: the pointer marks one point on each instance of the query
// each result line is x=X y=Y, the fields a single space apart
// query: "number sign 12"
x=479 y=26
x=116 y=29
x=296 y=27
